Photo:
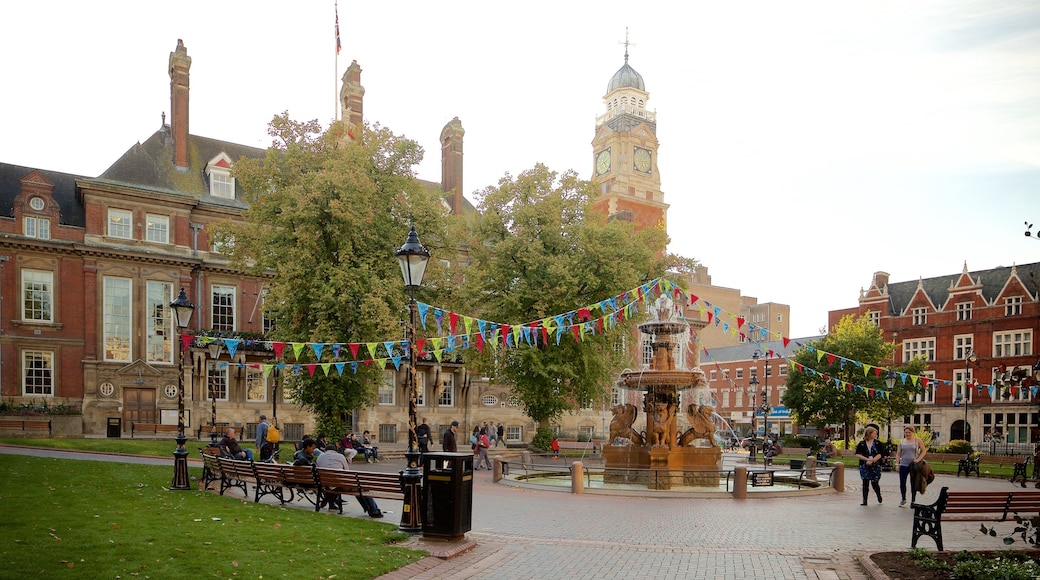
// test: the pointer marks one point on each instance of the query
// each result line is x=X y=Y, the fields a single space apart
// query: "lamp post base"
x=411 y=484
x=180 y=465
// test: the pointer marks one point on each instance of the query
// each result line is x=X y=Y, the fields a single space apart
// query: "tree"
x=325 y=216
x=815 y=399
x=538 y=249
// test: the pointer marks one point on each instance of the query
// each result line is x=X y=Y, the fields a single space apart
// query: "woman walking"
x=869 y=453
x=910 y=453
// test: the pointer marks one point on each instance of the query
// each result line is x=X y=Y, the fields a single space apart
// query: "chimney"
x=881 y=280
x=180 y=62
x=351 y=100
x=451 y=163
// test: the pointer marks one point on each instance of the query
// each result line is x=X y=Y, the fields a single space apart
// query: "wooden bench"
x=357 y=483
x=210 y=466
x=235 y=473
x=972 y=506
x=1020 y=471
x=967 y=464
x=579 y=445
x=205 y=430
x=25 y=425
x=1001 y=460
x=153 y=428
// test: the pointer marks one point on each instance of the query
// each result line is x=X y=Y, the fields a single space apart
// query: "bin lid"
x=446 y=455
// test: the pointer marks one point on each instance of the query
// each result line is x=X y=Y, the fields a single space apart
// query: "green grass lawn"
x=153 y=447
x=90 y=519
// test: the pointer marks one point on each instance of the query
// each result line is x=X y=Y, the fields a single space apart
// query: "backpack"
x=273 y=436
x=473 y=440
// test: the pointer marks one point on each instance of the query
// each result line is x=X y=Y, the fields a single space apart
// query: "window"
x=157 y=229
x=159 y=332
x=120 y=224
x=216 y=381
x=37 y=373
x=489 y=401
x=1013 y=306
x=1013 y=343
x=387 y=388
x=116 y=318
x=223 y=315
x=268 y=321
x=514 y=433
x=221 y=184
x=920 y=315
x=739 y=374
x=37 y=227
x=961 y=386
x=615 y=396
x=964 y=311
x=924 y=348
x=387 y=433
x=648 y=351
x=874 y=317
x=256 y=386
x=446 y=390
x=782 y=370
x=963 y=344
x=927 y=394
x=587 y=431
x=36 y=203
x=37 y=296
x=420 y=389
x=713 y=375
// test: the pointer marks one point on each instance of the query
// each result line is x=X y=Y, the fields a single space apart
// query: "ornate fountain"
x=659 y=456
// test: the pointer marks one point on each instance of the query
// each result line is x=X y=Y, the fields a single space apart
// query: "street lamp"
x=214 y=353
x=182 y=309
x=413 y=257
x=765 y=389
x=890 y=382
x=969 y=360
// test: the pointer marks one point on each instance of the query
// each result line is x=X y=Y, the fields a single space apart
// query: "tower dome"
x=626 y=77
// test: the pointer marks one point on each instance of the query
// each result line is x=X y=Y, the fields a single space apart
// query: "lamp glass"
x=182 y=308
x=413 y=258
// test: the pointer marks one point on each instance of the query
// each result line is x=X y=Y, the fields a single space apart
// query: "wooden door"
x=138 y=407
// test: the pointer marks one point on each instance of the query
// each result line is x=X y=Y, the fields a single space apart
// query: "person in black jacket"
x=448 y=443
x=422 y=432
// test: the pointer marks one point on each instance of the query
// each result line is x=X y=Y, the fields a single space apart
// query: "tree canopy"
x=326 y=215
x=537 y=249
x=815 y=399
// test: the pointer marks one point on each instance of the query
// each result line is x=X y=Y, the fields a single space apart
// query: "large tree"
x=538 y=249
x=326 y=214
x=814 y=397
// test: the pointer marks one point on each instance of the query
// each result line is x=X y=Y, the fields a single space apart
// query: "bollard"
x=740 y=483
x=577 y=478
x=496 y=475
x=525 y=459
x=838 y=477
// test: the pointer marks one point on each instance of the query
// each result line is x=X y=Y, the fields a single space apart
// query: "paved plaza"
x=523 y=533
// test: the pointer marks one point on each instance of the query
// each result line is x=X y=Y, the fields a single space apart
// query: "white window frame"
x=919 y=346
x=514 y=433
x=117 y=318
x=964 y=311
x=920 y=316
x=1013 y=306
x=159 y=334
x=960 y=387
x=223 y=386
x=157 y=228
x=963 y=345
x=43 y=383
x=1013 y=343
x=37 y=291
x=387 y=391
x=615 y=396
x=420 y=389
x=37 y=227
x=928 y=396
x=120 y=224
x=223 y=290
x=874 y=316
x=255 y=378
x=221 y=184
x=446 y=390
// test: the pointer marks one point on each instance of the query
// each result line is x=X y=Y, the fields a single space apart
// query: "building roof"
x=72 y=213
x=626 y=77
x=938 y=289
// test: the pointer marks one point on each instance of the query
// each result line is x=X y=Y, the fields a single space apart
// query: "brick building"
x=976 y=328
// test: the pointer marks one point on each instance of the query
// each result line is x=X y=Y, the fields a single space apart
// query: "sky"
x=803 y=145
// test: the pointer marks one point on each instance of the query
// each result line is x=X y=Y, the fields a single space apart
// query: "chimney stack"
x=451 y=163
x=180 y=63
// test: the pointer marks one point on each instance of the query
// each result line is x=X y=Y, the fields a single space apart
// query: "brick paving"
x=523 y=533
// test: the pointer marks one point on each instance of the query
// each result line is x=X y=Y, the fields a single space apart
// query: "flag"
x=339 y=46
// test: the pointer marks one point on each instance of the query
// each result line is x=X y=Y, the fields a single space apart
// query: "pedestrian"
x=911 y=451
x=869 y=454
x=264 y=447
x=422 y=433
x=448 y=443
x=501 y=435
x=474 y=439
x=492 y=435
x=555 y=447
x=483 y=443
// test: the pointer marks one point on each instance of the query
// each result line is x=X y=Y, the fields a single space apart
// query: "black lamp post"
x=765 y=389
x=214 y=353
x=971 y=359
x=752 y=394
x=182 y=309
x=890 y=382
x=413 y=258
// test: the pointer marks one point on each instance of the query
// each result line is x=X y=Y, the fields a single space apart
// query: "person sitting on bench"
x=229 y=447
x=334 y=460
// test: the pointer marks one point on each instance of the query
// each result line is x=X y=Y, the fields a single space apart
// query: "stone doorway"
x=138 y=407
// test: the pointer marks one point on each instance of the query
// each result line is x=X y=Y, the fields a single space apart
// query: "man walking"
x=264 y=448
x=501 y=435
x=448 y=443
x=422 y=433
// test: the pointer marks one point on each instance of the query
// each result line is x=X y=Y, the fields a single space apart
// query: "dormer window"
x=221 y=183
x=36 y=203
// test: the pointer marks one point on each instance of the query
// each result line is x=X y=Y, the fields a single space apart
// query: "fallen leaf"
x=234 y=563
x=115 y=526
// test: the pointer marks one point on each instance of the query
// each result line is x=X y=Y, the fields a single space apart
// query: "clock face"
x=603 y=162
x=641 y=160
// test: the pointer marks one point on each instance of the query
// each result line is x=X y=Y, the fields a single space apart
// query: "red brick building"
x=976 y=327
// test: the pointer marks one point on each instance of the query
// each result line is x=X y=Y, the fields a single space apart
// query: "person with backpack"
x=483 y=444
x=267 y=438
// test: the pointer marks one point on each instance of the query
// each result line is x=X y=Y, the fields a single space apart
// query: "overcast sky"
x=804 y=145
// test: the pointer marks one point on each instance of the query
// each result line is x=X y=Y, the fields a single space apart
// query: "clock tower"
x=624 y=153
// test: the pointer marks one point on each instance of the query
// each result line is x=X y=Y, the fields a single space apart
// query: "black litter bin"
x=446 y=502
x=115 y=427
x=797 y=463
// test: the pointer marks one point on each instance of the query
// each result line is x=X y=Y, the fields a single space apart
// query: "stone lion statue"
x=701 y=425
x=660 y=421
x=621 y=431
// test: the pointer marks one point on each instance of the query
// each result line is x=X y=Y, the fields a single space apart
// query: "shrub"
x=800 y=441
x=584 y=437
x=959 y=446
x=542 y=439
